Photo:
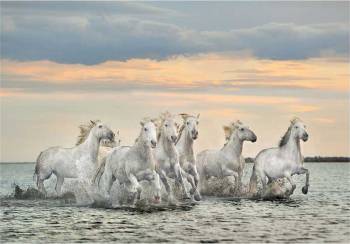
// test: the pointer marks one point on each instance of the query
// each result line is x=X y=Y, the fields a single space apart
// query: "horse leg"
x=195 y=174
x=229 y=172
x=306 y=187
x=59 y=183
x=194 y=190
x=43 y=175
x=239 y=180
x=135 y=186
x=289 y=178
x=107 y=182
x=163 y=178
x=179 y=177
x=40 y=185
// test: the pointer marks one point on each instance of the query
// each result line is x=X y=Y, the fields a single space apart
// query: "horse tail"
x=253 y=184
x=37 y=170
x=99 y=172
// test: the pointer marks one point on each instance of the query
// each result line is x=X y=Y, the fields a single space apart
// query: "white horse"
x=166 y=153
x=77 y=162
x=283 y=161
x=106 y=145
x=228 y=160
x=187 y=134
x=130 y=164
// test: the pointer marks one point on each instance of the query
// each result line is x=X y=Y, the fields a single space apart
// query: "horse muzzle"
x=156 y=199
x=305 y=137
x=153 y=144
x=173 y=138
x=194 y=134
x=111 y=137
x=254 y=138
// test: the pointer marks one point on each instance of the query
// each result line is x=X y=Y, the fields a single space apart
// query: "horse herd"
x=163 y=151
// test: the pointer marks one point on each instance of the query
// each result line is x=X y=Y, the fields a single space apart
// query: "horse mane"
x=85 y=130
x=184 y=115
x=233 y=128
x=286 y=135
x=180 y=133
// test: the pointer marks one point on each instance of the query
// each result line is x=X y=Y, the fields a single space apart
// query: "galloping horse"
x=130 y=164
x=187 y=134
x=166 y=153
x=284 y=161
x=227 y=161
x=77 y=162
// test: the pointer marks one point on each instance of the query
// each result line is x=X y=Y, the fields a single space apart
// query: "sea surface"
x=321 y=216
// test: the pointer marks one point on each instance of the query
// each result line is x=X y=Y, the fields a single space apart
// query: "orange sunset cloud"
x=192 y=71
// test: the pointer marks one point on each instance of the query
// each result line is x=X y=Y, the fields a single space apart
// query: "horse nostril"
x=154 y=143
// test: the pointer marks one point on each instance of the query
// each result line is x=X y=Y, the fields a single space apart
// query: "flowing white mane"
x=182 y=127
x=85 y=130
x=230 y=129
x=285 y=137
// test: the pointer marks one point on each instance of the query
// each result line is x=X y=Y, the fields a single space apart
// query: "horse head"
x=168 y=127
x=149 y=132
x=190 y=123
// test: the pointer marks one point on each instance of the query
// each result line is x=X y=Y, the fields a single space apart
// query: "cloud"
x=90 y=35
x=215 y=72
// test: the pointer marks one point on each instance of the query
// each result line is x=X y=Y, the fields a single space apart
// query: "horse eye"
x=100 y=126
x=242 y=129
x=197 y=122
x=166 y=125
x=188 y=123
x=296 y=127
x=145 y=129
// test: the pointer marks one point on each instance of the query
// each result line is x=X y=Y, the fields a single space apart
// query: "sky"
x=64 y=63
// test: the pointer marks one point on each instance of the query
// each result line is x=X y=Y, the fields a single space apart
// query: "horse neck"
x=167 y=145
x=143 y=150
x=91 y=144
x=292 y=147
x=234 y=147
x=186 y=142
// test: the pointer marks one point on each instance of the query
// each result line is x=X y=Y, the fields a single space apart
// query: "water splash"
x=224 y=187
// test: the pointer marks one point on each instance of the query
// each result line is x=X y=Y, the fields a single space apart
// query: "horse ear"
x=142 y=123
x=198 y=115
x=93 y=122
x=155 y=122
x=235 y=124
x=227 y=130
x=294 y=120
x=184 y=116
x=118 y=132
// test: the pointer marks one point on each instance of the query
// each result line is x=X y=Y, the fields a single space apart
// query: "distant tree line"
x=317 y=159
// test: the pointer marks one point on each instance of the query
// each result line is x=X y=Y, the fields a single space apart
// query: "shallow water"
x=321 y=216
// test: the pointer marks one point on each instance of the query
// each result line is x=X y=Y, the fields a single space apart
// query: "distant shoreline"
x=314 y=159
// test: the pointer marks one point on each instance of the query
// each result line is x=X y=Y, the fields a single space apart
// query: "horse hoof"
x=305 y=189
x=197 y=197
